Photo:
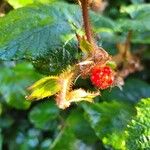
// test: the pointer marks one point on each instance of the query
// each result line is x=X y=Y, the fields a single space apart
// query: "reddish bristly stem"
x=87 y=26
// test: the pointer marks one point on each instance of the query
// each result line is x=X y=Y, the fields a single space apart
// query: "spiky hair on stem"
x=66 y=79
x=67 y=95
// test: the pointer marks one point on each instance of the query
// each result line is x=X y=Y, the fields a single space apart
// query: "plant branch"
x=127 y=44
x=87 y=26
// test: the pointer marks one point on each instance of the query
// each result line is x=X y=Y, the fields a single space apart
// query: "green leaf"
x=1 y=140
x=136 y=11
x=19 y=3
x=43 y=115
x=80 y=127
x=137 y=1
x=43 y=88
x=146 y=54
x=130 y=92
x=14 y=80
x=6 y=121
x=139 y=22
x=105 y=27
x=22 y=3
x=139 y=25
x=109 y=120
x=76 y=130
x=42 y=34
x=143 y=37
x=139 y=128
x=1 y=109
x=65 y=140
x=85 y=46
x=102 y=23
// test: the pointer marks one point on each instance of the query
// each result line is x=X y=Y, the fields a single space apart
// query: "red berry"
x=102 y=77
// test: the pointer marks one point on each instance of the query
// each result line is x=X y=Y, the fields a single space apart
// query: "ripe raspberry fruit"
x=102 y=77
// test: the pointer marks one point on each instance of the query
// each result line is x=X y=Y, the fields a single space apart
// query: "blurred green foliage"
x=39 y=39
x=139 y=127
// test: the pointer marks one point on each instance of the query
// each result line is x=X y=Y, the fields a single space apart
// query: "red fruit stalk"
x=102 y=77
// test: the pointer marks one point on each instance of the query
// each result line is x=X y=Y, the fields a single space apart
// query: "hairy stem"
x=87 y=26
x=127 y=44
